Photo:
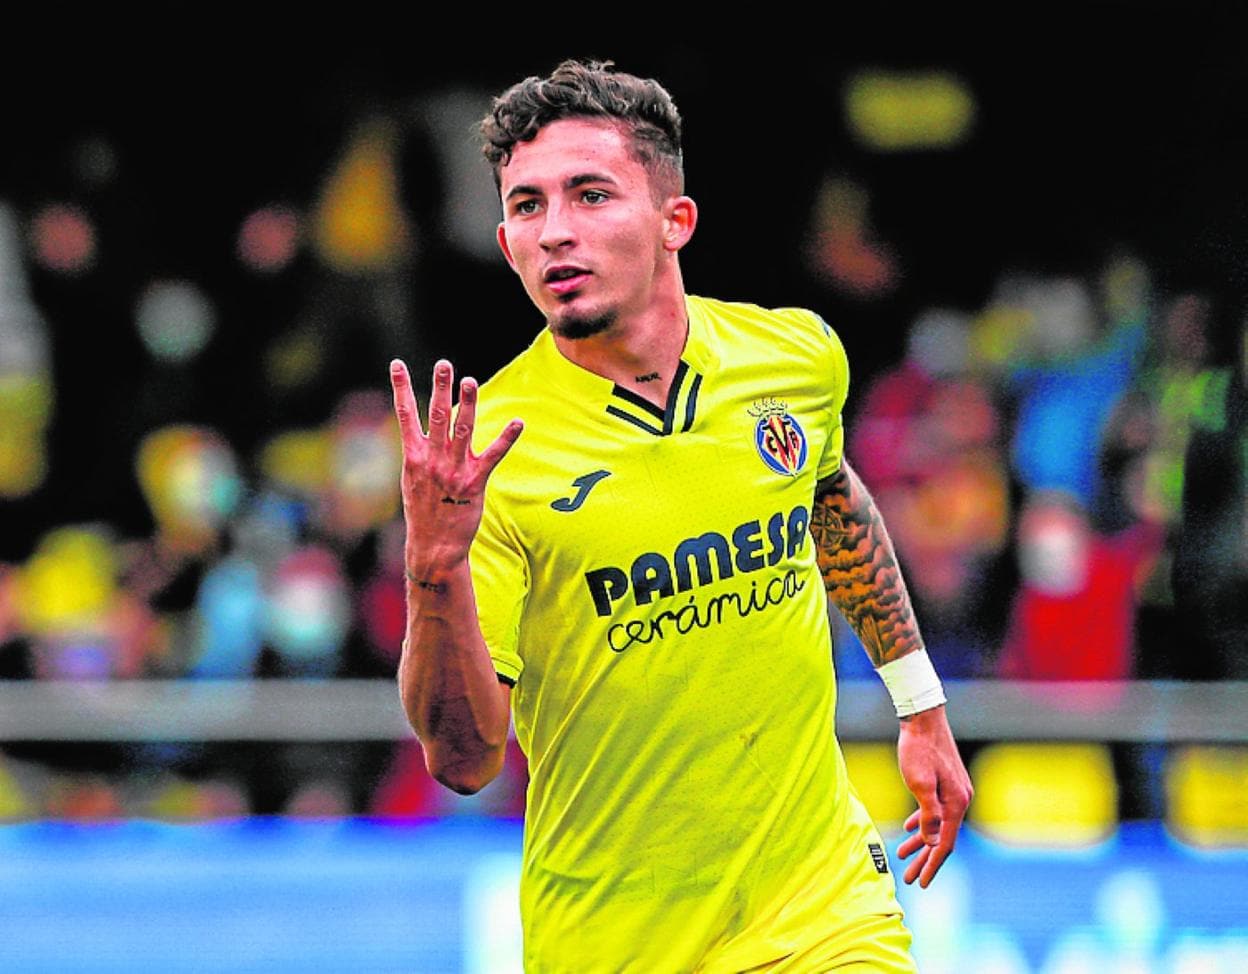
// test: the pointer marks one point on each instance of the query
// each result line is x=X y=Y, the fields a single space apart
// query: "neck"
x=639 y=352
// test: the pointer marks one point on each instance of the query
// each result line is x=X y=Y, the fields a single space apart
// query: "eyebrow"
x=589 y=177
x=574 y=181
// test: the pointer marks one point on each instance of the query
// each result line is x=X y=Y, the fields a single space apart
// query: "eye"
x=525 y=207
x=594 y=196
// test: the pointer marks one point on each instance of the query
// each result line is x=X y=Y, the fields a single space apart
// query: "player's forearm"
x=447 y=680
x=860 y=570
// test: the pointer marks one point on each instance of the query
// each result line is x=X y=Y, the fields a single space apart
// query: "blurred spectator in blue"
x=230 y=606
x=1074 y=372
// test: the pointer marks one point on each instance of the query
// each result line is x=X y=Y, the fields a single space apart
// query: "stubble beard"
x=577 y=327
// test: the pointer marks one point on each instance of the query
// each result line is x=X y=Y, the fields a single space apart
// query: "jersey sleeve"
x=500 y=580
x=834 y=370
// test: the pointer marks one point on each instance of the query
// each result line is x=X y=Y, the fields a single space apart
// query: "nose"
x=557 y=230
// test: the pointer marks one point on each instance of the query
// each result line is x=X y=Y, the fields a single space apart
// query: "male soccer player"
x=643 y=581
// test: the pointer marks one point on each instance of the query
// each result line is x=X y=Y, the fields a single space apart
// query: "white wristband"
x=912 y=683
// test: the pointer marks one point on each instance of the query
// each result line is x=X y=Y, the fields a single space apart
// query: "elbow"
x=460 y=782
x=464 y=775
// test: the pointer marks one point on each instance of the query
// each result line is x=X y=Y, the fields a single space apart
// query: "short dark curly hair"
x=590 y=89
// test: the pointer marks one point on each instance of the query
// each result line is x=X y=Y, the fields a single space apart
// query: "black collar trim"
x=682 y=401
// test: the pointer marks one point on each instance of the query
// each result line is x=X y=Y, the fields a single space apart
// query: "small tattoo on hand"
x=456 y=501
x=648 y=377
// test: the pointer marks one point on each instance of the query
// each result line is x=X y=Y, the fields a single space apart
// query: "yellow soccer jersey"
x=645 y=578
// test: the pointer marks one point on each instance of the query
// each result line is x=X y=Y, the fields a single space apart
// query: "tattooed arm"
x=860 y=569
x=864 y=582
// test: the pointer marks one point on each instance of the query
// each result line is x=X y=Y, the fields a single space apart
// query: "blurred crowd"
x=1062 y=471
x=199 y=466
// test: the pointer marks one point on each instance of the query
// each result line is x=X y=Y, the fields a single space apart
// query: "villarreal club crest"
x=779 y=439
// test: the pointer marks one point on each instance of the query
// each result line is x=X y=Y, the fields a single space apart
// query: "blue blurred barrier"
x=277 y=895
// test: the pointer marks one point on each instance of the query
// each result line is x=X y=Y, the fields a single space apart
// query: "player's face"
x=581 y=226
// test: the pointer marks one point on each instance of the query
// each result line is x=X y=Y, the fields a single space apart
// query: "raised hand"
x=443 y=481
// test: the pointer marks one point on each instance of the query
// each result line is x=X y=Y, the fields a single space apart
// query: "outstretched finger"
x=917 y=865
x=910 y=845
x=914 y=842
x=465 y=417
x=495 y=452
x=405 y=408
x=948 y=837
x=440 y=403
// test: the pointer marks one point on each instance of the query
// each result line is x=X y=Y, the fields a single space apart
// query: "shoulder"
x=798 y=335
x=785 y=325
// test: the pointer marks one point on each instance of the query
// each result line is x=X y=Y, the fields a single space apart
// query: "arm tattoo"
x=860 y=569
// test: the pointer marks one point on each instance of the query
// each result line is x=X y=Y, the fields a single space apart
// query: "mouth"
x=564 y=279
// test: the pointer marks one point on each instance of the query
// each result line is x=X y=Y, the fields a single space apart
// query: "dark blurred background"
x=1028 y=235
x=1031 y=236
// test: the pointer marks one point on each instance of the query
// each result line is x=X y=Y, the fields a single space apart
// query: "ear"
x=505 y=247
x=680 y=217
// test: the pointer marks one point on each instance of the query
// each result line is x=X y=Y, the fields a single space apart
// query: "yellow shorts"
x=873 y=945
x=855 y=927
